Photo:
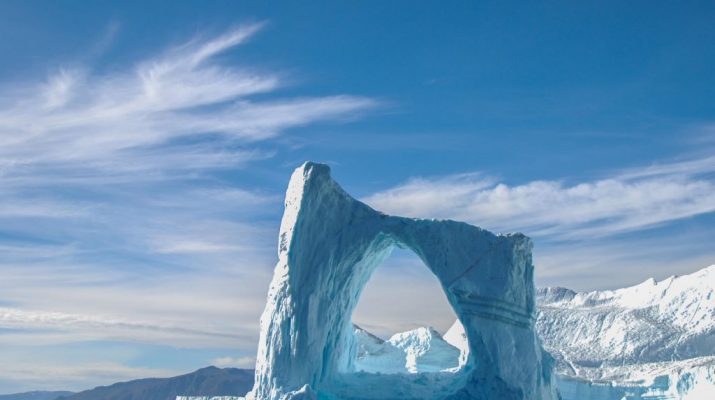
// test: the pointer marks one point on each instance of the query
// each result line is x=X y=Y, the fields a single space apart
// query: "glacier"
x=329 y=245
x=654 y=340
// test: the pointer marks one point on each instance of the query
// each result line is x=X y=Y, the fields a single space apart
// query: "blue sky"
x=145 y=148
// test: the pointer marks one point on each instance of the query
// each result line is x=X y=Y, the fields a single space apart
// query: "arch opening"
x=399 y=323
x=401 y=318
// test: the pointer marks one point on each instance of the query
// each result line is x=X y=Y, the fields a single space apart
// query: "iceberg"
x=329 y=245
x=419 y=350
x=654 y=340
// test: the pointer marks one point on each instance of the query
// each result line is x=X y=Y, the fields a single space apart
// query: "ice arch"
x=330 y=243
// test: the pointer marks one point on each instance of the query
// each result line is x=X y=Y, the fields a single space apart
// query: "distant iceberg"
x=416 y=351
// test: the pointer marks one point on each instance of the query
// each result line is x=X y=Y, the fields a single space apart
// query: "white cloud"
x=683 y=168
x=77 y=116
x=74 y=376
x=191 y=309
x=59 y=88
x=236 y=362
x=610 y=264
x=98 y=326
x=633 y=200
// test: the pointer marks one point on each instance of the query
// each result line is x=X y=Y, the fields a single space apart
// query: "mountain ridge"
x=36 y=395
x=208 y=380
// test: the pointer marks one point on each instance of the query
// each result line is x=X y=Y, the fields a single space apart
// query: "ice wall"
x=597 y=335
x=330 y=244
x=654 y=340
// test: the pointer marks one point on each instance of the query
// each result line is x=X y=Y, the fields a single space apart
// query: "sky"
x=145 y=148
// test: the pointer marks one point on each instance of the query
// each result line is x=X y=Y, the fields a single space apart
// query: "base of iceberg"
x=690 y=379
x=676 y=381
x=392 y=362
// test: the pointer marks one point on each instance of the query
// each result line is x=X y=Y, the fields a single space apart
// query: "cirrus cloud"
x=633 y=200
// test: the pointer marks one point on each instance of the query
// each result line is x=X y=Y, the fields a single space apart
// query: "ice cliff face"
x=652 y=340
x=591 y=333
x=330 y=244
x=457 y=337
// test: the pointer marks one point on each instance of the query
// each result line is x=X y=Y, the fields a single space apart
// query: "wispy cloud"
x=632 y=200
x=74 y=376
x=237 y=362
x=610 y=263
x=120 y=117
x=97 y=327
